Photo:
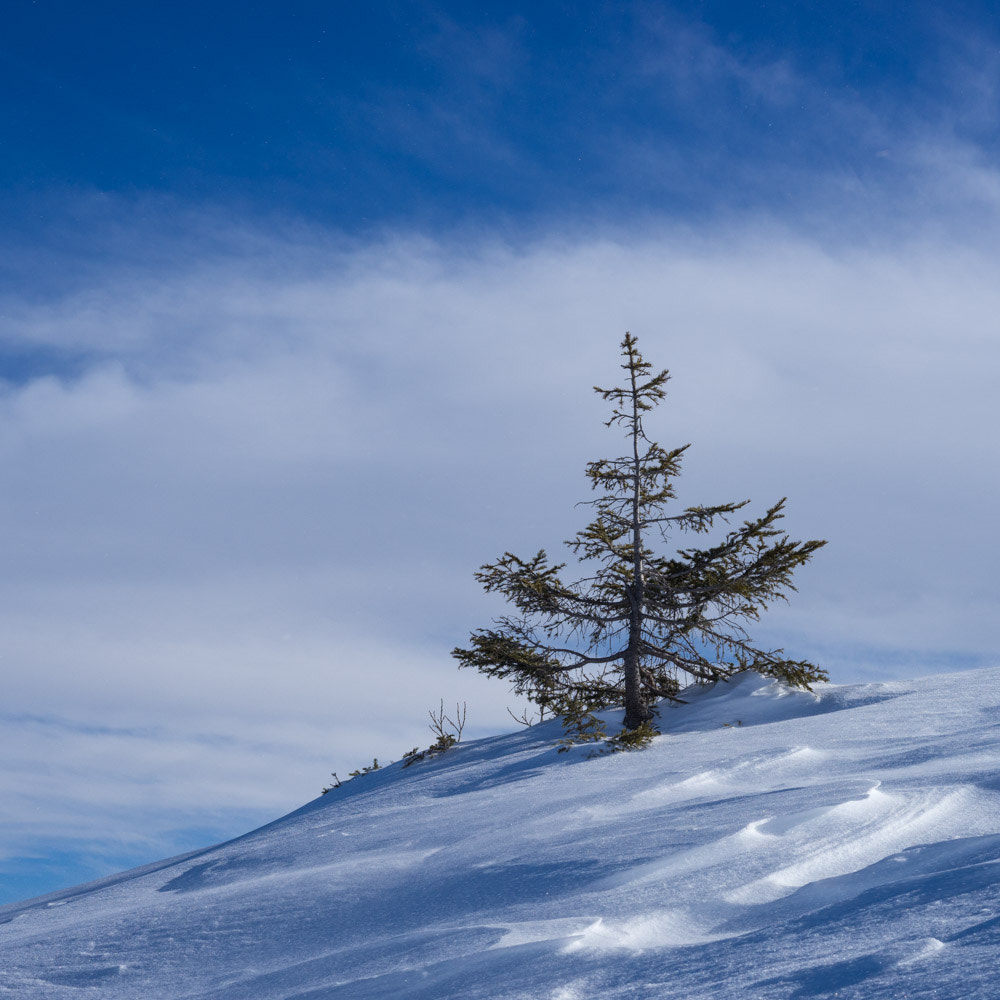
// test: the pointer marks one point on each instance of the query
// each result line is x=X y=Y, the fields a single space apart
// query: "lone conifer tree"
x=640 y=621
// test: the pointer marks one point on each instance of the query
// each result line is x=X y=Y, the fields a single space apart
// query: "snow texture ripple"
x=771 y=844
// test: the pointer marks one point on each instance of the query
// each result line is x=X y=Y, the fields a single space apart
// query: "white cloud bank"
x=239 y=537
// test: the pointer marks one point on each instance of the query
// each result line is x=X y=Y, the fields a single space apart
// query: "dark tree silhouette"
x=640 y=622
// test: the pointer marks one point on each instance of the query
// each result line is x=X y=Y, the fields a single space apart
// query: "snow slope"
x=772 y=844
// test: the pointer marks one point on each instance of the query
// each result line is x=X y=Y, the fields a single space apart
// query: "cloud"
x=239 y=536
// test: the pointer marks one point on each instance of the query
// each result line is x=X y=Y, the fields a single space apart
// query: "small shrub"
x=447 y=730
x=580 y=725
x=438 y=747
x=373 y=766
x=336 y=784
x=633 y=739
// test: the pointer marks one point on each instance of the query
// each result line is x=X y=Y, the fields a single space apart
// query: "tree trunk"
x=636 y=710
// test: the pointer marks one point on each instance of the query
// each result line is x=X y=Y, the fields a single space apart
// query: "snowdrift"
x=771 y=844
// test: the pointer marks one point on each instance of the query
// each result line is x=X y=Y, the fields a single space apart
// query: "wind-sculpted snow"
x=771 y=844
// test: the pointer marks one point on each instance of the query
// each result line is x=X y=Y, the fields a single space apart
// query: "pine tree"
x=640 y=623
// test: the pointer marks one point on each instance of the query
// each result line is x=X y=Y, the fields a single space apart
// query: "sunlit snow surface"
x=772 y=844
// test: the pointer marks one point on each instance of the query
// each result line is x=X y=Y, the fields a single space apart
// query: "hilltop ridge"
x=772 y=843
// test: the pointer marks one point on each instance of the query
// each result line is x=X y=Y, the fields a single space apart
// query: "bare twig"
x=528 y=720
x=444 y=726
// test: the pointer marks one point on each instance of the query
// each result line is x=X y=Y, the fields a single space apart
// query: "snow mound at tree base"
x=771 y=844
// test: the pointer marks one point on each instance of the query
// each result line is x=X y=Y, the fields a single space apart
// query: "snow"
x=771 y=844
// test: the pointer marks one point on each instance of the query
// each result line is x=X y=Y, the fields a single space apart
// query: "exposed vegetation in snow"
x=772 y=843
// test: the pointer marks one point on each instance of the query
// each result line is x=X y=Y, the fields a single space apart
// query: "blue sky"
x=299 y=313
x=361 y=116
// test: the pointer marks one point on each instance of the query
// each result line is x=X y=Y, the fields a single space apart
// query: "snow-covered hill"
x=772 y=844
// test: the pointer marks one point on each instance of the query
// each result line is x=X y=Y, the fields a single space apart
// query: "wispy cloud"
x=240 y=535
